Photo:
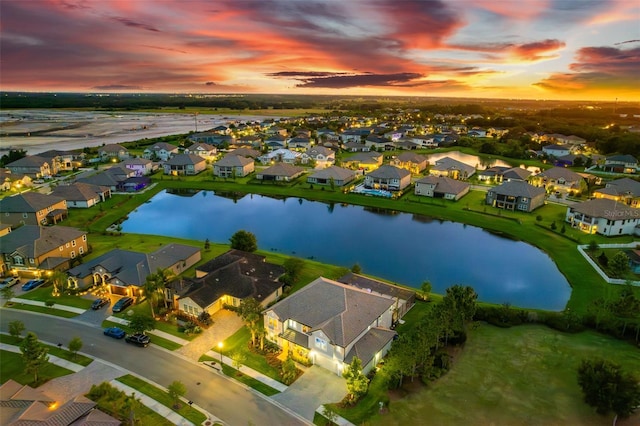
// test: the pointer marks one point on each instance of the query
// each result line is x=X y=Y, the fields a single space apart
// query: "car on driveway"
x=115 y=332
x=9 y=281
x=31 y=284
x=138 y=339
x=99 y=303
x=122 y=304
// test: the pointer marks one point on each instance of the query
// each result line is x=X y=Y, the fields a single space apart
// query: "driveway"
x=315 y=387
x=225 y=323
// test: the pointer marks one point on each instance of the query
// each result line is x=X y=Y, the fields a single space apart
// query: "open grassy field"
x=12 y=367
x=519 y=376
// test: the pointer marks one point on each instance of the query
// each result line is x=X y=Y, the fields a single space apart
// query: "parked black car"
x=138 y=339
x=99 y=303
x=122 y=304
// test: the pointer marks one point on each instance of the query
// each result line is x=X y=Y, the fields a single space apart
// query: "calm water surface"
x=400 y=247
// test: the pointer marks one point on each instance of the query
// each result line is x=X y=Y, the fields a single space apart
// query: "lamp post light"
x=220 y=350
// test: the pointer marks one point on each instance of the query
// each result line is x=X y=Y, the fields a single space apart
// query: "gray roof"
x=33 y=241
x=389 y=172
x=233 y=160
x=366 y=283
x=448 y=163
x=29 y=161
x=136 y=162
x=624 y=186
x=369 y=345
x=445 y=185
x=341 y=311
x=245 y=152
x=607 y=209
x=516 y=173
x=28 y=202
x=79 y=191
x=623 y=158
x=162 y=145
x=518 y=188
x=184 y=160
x=281 y=169
x=411 y=157
x=319 y=150
x=114 y=147
x=561 y=173
x=364 y=157
x=335 y=172
x=132 y=268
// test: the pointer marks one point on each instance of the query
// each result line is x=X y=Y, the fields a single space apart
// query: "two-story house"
x=441 y=187
x=233 y=166
x=33 y=166
x=184 y=164
x=142 y=166
x=204 y=150
x=32 y=208
x=621 y=164
x=112 y=151
x=560 y=179
x=516 y=195
x=625 y=190
x=82 y=195
x=454 y=169
x=388 y=177
x=338 y=175
x=323 y=156
x=329 y=323
x=415 y=163
x=603 y=216
x=31 y=250
x=161 y=150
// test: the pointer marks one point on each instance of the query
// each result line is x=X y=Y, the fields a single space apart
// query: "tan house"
x=441 y=187
x=227 y=280
x=364 y=161
x=113 y=151
x=82 y=195
x=388 y=177
x=625 y=190
x=204 y=150
x=415 y=163
x=281 y=172
x=15 y=181
x=233 y=166
x=32 y=250
x=184 y=165
x=32 y=208
x=33 y=166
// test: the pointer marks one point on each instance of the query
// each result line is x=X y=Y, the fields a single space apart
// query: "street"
x=225 y=398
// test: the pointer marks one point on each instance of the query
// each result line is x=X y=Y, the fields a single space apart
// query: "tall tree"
x=461 y=302
x=608 y=388
x=619 y=264
x=250 y=311
x=151 y=291
x=140 y=323
x=357 y=383
x=60 y=281
x=425 y=289
x=244 y=240
x=34 y=354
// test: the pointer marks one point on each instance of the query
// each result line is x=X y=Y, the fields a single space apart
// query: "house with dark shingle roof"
x=32 y=250
x=184 y=165
x=620 y=164
x=329 y=323
x=323 y=156
x=280 y=172
x=227 y=280
x=9 y=180
x=441 y=187
x=124 y=272
x=204 y=150
x=604 y=216
x=245 y=152
x=364 y=161
x=625 y=190
x=161 y=150
x=113 y=151
x=32 y=208
x=339 y=175
x=388 y=177
x=516 y=195
x=82 y=195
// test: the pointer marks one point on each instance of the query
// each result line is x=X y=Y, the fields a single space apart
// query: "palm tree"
x=151 y=290
x=164 y=277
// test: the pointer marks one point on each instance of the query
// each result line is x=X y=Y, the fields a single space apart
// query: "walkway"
x=302 y=398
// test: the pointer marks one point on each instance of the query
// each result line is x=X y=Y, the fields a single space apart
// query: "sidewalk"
x=154 y=405
x=55 y=306
x=250 y=372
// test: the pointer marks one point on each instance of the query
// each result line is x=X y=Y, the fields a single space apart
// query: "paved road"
x=230 y=401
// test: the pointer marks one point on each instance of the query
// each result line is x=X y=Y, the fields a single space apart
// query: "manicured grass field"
x=524 y=375
x=44 y=293
x=12 y=367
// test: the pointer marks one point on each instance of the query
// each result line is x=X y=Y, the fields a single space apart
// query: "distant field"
x=519 y=376
x=269 y=112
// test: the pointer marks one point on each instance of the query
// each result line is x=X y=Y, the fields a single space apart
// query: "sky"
x=524 y=49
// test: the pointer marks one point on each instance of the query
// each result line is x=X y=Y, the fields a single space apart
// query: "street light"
x=220 y=350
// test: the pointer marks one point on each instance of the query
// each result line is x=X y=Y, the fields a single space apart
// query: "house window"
x=81 y=250
x=273 y=323
x=24 y=215
x=67 y=245
x=322 y=344
x=84 y=237
x=32 y=261
x=73 y=254
x=73 y=243
x=18 y=260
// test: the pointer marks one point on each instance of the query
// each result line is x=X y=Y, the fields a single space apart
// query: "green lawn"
x=186 y=411
x=522 y=375
x=43 y=294
x=238 y=342
x=41 y=309
x=12 y=367
x=53 y=350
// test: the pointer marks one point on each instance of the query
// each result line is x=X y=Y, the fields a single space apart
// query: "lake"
x=401 y=247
